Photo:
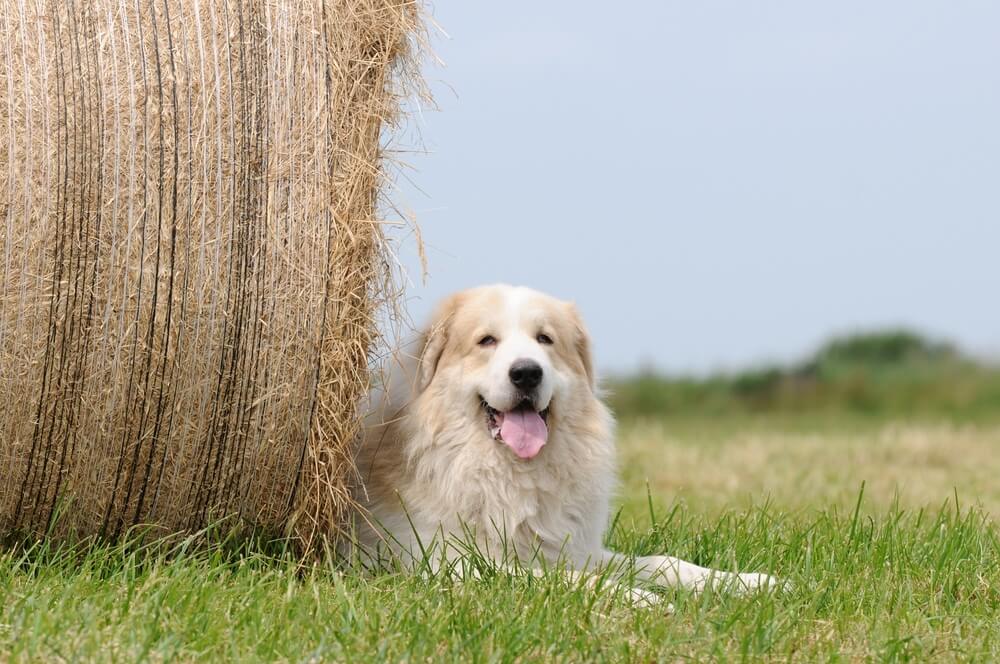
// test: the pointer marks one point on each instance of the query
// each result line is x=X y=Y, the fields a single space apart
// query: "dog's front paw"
x=754 y=583
x=645 y=599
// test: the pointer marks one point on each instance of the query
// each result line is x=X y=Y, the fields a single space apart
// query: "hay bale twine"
x=190 y=263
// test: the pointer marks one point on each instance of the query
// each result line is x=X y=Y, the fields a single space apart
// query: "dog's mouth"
x=523 y=429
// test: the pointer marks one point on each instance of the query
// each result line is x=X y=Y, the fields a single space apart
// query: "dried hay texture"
x=191 y=259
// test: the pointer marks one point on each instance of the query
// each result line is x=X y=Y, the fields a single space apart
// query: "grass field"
x=911 y=571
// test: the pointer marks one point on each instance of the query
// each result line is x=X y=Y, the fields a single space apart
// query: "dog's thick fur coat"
x=436 y=467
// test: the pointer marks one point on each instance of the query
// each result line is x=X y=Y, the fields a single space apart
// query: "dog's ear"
x=435 y=340
x=582 y=343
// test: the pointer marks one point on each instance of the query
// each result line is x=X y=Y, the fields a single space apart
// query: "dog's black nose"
x=525 y=374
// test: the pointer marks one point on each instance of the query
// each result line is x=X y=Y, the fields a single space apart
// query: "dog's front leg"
x=637 y=597
x=674 y=572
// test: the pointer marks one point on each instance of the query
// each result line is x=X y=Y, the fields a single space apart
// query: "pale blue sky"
x=718 y=183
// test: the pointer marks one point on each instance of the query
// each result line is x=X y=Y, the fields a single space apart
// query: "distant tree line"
x=884 y=372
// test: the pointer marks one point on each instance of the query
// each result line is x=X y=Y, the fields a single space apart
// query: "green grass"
x=911 y=571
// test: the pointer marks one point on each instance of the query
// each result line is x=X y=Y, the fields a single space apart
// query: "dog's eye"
x=544 y=339
x=487 y=341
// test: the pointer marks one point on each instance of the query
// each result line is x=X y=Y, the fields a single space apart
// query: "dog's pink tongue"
x=524 y=431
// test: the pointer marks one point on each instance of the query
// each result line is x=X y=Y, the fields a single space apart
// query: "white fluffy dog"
x=496 y=432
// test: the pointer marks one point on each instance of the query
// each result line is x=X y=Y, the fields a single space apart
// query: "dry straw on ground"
x=190 y=257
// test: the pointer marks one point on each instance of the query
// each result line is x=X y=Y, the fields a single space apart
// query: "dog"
x=494 y=431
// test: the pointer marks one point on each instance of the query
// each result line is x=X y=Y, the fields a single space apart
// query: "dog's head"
x=512 y=361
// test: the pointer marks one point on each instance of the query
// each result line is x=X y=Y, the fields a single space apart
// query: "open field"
x=810 y=462
x=905 y=575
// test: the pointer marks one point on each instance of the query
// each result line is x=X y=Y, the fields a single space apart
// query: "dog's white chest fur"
x=556 y=500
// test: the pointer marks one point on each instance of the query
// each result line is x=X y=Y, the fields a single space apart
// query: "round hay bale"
x=191 y=262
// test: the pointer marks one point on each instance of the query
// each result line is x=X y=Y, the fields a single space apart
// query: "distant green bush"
x=894 y=372
x=891 y=347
